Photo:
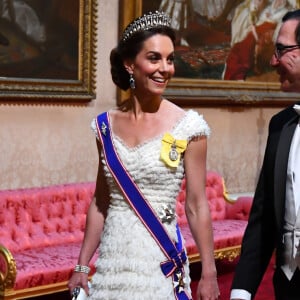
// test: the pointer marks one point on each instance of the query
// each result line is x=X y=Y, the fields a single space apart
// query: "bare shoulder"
x=116 y=113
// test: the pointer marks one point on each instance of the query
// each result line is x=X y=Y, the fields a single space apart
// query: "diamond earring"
x=131 y=82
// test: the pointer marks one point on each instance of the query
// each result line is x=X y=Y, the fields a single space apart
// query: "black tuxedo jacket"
x=264 y=231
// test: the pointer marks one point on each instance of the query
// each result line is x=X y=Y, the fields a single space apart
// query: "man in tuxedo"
x=274 y=222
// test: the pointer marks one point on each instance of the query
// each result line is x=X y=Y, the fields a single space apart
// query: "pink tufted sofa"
x=41 y=230
x=229 y=219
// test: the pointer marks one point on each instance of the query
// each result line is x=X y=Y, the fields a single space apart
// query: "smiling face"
x=288 y=64
x=153 y=66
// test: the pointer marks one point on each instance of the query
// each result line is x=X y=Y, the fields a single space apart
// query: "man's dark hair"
x=294 y=15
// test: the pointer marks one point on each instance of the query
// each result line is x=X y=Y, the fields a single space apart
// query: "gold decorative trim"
x=33 y=292
x=8 y=278
x=229 y=253
x=225 y=193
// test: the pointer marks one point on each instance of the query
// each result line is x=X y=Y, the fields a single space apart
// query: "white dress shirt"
x=296 y=162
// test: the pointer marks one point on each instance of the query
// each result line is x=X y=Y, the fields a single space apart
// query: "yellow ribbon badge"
x=171 y=150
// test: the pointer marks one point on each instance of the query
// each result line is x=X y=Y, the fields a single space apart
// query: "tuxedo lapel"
x=280 y=168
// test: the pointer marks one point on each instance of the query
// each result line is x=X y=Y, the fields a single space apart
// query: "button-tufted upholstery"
x=229 y=218
x=42 y=217
x=43 y=229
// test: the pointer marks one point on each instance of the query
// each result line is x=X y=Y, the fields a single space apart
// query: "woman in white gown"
x=129 y=260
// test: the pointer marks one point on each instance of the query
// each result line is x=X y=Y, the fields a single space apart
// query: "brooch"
x=166 y=214
x=173 y=154
x=103 y=128
x=179 y=281
x=171 y=150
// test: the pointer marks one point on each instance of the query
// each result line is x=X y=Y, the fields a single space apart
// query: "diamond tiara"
x=145 y=22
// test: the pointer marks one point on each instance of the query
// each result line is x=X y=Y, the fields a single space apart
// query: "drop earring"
x=131 y=82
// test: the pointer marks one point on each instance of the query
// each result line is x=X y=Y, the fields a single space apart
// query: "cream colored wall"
x=43 y=144
x=47 y=144
x=237 y=143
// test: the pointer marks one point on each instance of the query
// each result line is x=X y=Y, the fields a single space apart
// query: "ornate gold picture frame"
x=261 y=90
x=47 y=50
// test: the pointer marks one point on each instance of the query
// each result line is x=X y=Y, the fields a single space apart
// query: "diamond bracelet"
x=82 y=269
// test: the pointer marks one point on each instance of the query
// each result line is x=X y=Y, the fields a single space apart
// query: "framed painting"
x=223 y=50
x=47 y=50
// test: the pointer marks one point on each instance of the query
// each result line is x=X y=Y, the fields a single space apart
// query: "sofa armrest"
x=8 y=269
x=239 y=209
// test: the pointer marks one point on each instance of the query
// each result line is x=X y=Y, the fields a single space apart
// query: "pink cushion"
x=217 y=206
x=42 y=217
x=214 y=193
x=240 y=209
x=229 y=219
x=47 y=265
x=227 y=233
x=43 y=228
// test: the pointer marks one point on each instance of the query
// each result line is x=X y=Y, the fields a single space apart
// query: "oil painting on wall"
x=224 y=43
x=231 y=40
x=47 y=49
x=39 y=39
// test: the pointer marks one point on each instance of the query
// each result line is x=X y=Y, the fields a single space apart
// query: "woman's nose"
x=164 y=66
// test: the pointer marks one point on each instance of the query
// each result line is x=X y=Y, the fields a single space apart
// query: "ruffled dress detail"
x=129 y=260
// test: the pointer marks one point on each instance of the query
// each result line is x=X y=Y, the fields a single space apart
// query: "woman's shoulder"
x=194 y=124
x=93 y=126
x=93 y=123
x=112 y=113
x=195 y=117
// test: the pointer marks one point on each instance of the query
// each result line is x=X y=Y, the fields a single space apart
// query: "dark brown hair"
x=294 y=15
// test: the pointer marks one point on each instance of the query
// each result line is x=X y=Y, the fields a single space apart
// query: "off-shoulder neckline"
x=152 y=139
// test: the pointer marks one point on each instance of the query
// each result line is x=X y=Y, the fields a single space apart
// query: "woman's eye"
x=153 y=58
x=171 y=58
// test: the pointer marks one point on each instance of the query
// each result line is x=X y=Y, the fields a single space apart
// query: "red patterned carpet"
x=225 y=276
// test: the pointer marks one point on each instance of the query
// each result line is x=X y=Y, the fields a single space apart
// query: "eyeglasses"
x=281 y=49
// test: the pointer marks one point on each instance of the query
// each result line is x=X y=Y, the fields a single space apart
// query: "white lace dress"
x=128 y=266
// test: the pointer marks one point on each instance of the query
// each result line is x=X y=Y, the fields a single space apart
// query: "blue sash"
x=176 y=256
